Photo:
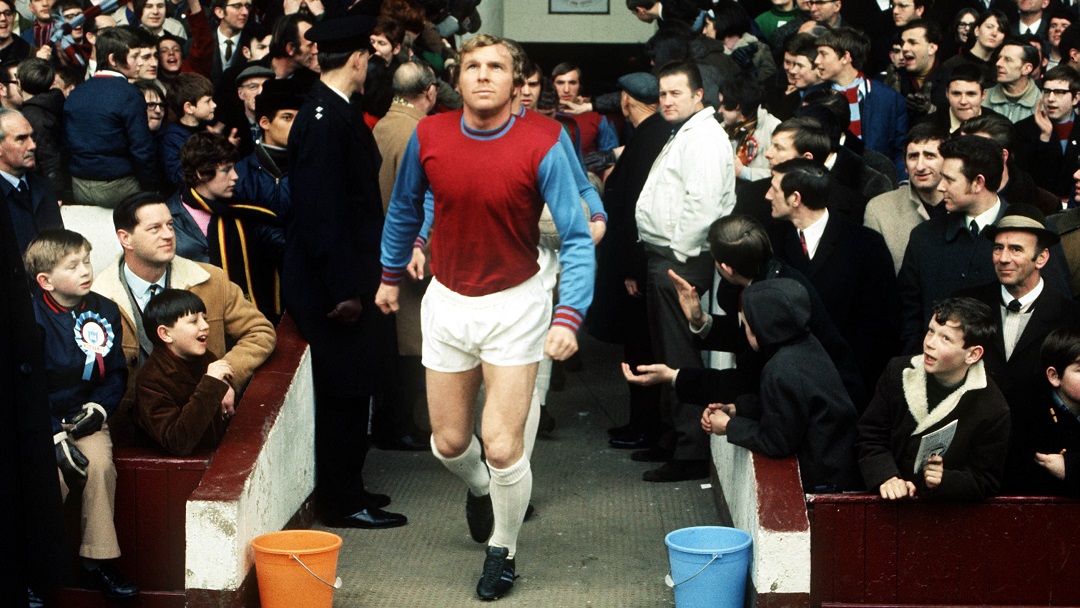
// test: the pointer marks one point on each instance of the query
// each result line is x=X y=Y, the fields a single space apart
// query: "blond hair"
x=50 y=248
x=517 y=55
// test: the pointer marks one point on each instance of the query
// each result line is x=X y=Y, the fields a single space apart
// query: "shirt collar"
x=11 y=179
x=1027 y=300
x=339 y=93
x=814 y=232
x=140 y=288
x=987 y=217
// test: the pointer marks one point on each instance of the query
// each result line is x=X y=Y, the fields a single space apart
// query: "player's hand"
x=387 y=298
x=648 y=375
x=689 y=300
x=561 y=343
x=633 y=288
x=347 y=312
x=1054 y=463
x=895 y=488
x=416 y=265
x=933 y=472
x=597 y=229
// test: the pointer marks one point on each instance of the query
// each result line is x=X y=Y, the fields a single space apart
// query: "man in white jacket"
x=691 y=184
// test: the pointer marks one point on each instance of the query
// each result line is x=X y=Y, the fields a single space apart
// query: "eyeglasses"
x=820 y=2
x=901 y=5
x=155 y=105
x=7 y=14
x=239 y=5
x=1057 y=92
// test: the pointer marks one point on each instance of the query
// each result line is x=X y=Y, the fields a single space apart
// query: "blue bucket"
x=708 y=566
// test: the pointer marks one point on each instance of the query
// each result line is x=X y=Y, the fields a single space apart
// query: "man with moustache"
x=29 y=198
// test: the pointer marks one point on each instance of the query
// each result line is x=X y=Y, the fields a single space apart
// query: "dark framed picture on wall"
x=579 y=7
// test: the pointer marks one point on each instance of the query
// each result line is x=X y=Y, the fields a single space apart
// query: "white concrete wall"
x=529 y=21
x=219 y=533
x=781 y=560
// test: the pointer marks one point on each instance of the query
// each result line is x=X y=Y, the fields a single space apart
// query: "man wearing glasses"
x=11 y=47
x=1053 y=134
x=229 y=36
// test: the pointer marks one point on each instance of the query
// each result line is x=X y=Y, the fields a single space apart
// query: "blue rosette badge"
x=94 y=336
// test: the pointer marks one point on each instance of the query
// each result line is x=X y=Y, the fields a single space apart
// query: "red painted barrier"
x=1007 y=551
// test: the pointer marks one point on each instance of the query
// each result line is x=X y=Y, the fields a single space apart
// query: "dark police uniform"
x=333 y=231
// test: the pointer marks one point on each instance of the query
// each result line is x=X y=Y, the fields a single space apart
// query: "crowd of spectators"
x=890 y=208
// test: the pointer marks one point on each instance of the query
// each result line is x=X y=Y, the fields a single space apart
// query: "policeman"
x=331 y=273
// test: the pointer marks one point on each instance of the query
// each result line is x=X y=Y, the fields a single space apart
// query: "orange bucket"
x=297 y=568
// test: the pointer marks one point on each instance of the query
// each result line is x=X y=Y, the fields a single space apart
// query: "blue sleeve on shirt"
x=585 y=188
x=577 y=255
x=607 y=138
x=405 y=215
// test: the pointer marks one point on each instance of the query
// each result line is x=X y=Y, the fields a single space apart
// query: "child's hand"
x=1054 y=463
x=717 y=418
x=896 y=488
x=648 y=375
x=219 y=369
x=933 y=471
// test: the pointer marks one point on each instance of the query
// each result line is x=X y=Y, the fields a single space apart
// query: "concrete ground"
x=597 y=538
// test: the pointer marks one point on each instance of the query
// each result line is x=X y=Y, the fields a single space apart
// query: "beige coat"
x=893 y=215
x=392 y=133
x=237 y=328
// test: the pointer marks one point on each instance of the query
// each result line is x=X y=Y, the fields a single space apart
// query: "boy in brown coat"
x=180 y=388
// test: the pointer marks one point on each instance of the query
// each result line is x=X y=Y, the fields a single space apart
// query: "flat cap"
x=344 y=34
x=642 y=86
x=277 y=95
x=254 y=71
x=1026 y=218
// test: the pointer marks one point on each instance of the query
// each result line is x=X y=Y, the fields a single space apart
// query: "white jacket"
x=690 y=185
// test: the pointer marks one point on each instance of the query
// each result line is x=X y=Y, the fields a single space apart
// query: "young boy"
x=192 y=100
x=923 y=394
x=86 y=376
x=180 y=389
x=802 y=409
x=1058 y=420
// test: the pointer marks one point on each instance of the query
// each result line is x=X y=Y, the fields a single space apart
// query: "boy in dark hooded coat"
x=802 y=407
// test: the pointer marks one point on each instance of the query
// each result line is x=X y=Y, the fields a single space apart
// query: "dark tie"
x=1013 y=306
x=974 y=228
x=228 y=50
x=154 y=289
x=802 y=241
x=21 y=195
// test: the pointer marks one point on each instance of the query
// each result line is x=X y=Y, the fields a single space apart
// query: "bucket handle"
x=671 y=583
x=337 y=581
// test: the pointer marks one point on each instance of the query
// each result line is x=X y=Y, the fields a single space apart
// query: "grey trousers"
x=673 y=344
